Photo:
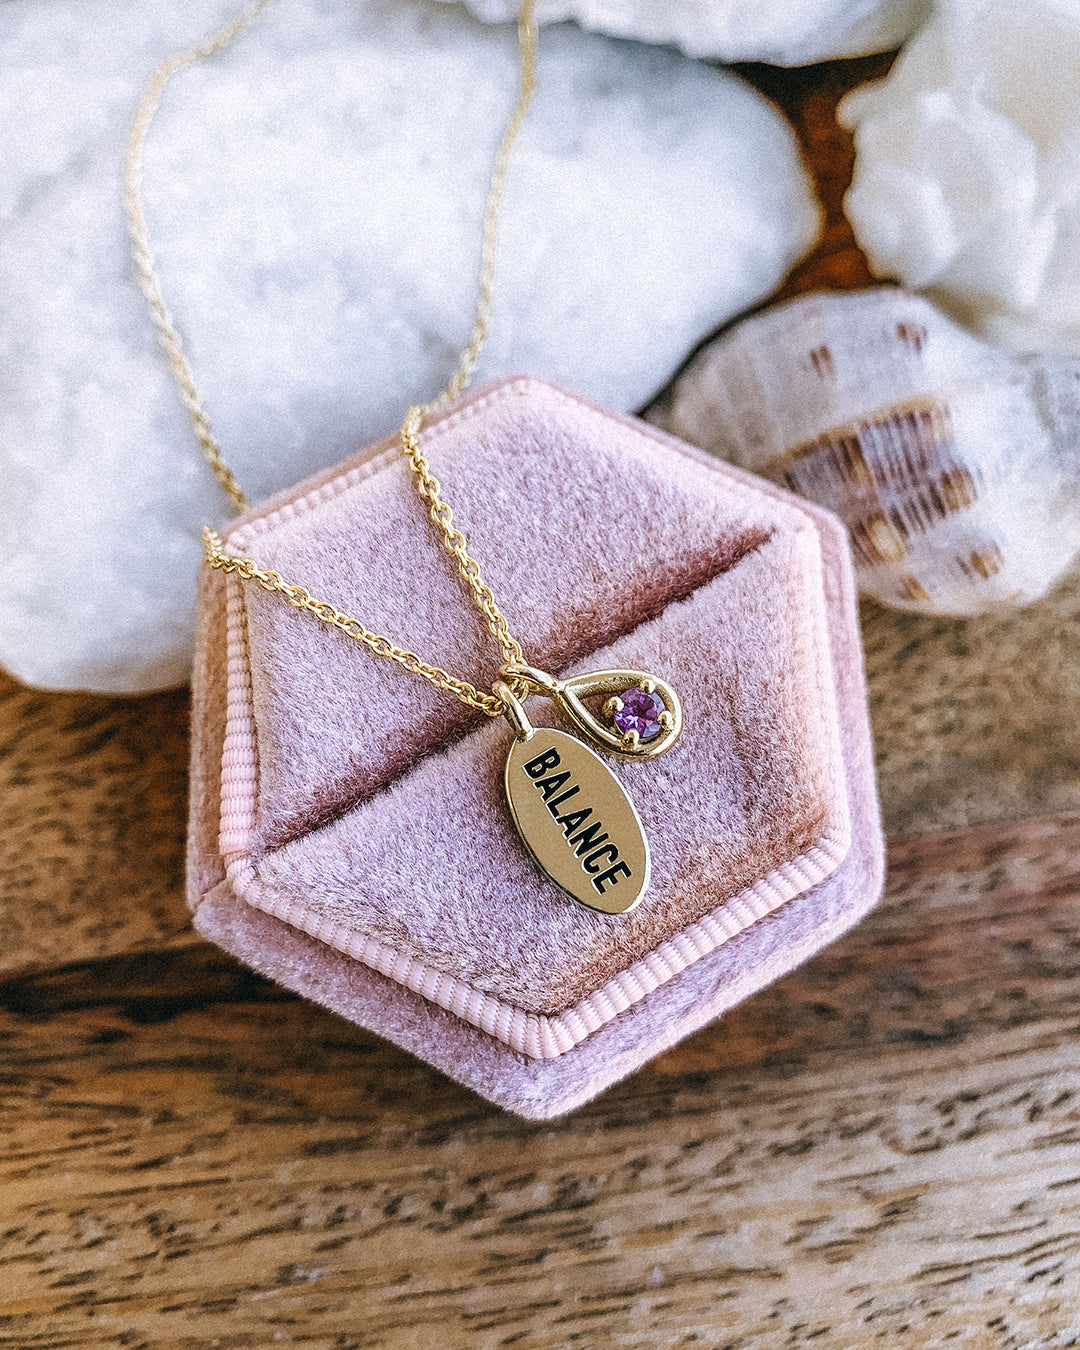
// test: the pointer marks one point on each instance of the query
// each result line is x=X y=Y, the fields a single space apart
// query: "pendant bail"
x=513 y=710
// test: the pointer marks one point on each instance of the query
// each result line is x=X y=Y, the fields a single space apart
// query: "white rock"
x=785 y=32
x=967 y=166
x=315 y=196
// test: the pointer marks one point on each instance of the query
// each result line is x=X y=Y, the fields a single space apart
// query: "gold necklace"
x=570 y=810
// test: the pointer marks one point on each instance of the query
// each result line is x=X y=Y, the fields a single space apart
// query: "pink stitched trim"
x=538 y=1035
x=239 y=752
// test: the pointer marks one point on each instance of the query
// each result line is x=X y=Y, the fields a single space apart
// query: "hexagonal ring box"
x=349 y=833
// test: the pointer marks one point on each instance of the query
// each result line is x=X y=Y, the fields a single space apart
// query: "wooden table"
x=883 y=1149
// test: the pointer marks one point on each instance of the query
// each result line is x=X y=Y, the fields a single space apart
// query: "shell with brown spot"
x=955 y=466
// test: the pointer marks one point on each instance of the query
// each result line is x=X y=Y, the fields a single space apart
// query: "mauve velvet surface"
x=379 y=799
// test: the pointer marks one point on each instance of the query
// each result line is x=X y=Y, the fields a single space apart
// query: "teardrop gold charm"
x=660 y=728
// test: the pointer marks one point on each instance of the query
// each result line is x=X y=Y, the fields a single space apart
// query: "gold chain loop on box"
x=300 y=598
x=426 y=483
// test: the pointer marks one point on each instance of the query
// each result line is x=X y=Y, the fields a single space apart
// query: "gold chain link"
x=140 y=240
x=428 y=487
x=427 y=484
x=300 y=598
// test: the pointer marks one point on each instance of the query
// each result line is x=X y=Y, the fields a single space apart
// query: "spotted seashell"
x=954 y=465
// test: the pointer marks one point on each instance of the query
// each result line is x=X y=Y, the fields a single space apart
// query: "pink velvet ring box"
x=349 y=833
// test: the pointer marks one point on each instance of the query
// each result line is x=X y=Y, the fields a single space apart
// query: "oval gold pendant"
x=576 y=820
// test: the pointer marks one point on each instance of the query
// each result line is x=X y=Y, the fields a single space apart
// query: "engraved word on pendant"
x=572 y=813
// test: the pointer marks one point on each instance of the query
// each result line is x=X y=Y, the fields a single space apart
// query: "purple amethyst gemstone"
x=640 y=712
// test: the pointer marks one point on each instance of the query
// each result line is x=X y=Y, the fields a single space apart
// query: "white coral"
x=967 y=170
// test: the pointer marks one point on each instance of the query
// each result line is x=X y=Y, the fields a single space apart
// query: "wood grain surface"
x=91 y=825
x=976 y=719
x=883 y=1149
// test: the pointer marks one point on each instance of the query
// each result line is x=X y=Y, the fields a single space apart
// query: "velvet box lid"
x=349 y=836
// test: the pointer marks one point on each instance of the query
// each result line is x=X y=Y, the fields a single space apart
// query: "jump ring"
x=513 y=710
